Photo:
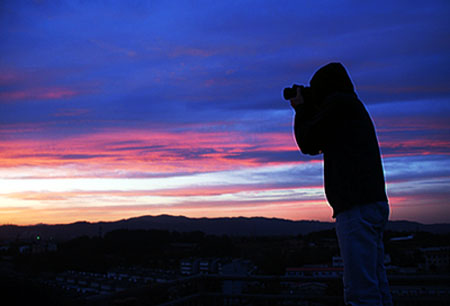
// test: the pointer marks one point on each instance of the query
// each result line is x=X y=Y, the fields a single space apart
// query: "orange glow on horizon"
x=290 y=210
x=140 y=154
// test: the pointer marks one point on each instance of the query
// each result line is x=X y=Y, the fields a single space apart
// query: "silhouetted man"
x=330 y=119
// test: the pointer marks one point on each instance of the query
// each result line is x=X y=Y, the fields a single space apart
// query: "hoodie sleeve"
x=312 y=127
x=308 y=130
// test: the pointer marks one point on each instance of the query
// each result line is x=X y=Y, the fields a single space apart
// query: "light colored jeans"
x=360 y=236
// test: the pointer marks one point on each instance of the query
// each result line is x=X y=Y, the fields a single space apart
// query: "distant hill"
x=240 y=226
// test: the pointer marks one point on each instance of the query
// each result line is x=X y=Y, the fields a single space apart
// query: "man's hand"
x=297 y=100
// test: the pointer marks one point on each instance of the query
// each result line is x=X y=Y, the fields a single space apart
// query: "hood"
x=330 y=79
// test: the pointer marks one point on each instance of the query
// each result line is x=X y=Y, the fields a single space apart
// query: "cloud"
x=170 y=91
x=40 y=94
x=416 y=168
x=154 y=151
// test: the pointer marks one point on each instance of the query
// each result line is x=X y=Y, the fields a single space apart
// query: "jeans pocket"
x=348 y=221
x=374 y=213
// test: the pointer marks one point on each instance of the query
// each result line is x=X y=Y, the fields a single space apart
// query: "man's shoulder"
x=343 y=98
x=347 y=102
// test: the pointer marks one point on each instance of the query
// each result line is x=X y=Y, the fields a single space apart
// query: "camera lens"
x=290 y=93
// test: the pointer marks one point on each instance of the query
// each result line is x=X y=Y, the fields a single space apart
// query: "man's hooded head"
x=328 y=80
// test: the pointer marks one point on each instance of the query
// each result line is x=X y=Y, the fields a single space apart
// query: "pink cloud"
x=153 y=151
x=413 y=135
x=189 y=51
x=39 y=94
x=71 y=112
x=9 y=77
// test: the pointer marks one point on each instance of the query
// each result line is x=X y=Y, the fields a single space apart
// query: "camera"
x=291 y=92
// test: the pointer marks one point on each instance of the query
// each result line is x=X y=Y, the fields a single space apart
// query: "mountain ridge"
x=234 y=226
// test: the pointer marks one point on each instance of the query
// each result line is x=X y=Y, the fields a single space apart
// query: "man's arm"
x=304 y=125
x=308 y=128
x=314 y=125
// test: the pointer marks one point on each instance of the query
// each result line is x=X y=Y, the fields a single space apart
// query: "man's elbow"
x=309 y=150
x=312 y=152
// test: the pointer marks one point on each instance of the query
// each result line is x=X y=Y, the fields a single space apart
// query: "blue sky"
x=189 y=92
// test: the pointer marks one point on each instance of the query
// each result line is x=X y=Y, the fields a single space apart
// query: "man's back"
x=353 y=171
x=342 y=129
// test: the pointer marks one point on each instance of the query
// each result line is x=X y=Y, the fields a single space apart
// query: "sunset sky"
x=116 y=109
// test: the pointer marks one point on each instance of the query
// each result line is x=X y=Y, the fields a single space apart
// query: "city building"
x=316 y=272
x=192 y=266
x=436 y=258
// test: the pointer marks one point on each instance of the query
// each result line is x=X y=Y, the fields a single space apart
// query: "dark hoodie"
x=336 y=123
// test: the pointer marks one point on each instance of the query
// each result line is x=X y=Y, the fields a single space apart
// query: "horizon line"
x=198 y=218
